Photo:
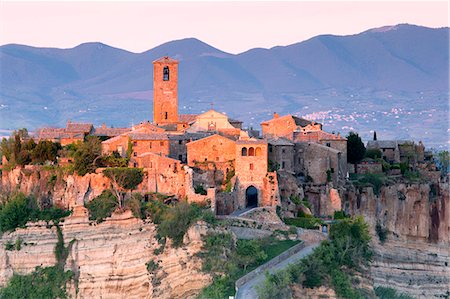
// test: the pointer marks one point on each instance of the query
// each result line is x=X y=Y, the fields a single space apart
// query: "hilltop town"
x=190 y=204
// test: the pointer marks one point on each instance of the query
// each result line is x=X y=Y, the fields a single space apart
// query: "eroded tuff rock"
x=415 y=259
x=109 y=259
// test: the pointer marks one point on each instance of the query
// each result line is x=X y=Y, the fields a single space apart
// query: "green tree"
x=355 y=148
x=123 y=179
x=86 y=155
x=44 y=151
x=248 y=252
x=15 y=213
x=444 y=160
x=373 y=153
x=102 y=206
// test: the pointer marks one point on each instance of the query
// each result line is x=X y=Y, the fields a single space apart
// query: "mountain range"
x=393 y=67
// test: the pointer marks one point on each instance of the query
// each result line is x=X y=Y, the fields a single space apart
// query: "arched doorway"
x=251 y=197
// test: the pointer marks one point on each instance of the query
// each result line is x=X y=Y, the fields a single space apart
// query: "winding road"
x=248 y=290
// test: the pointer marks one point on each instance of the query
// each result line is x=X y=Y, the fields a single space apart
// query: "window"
x=258 y=151
x=161 y=143
x=206 y=159
x=270 y=148
x=283 y=165
x=151 y=164
x=217 y=158
x=150 y=144
x=328 y=144
x=283 y=151
x=180 y=141
x=134 y=154
x=165 y=115
x=244 y=151
x=251 y=151
x=166 y=73
x=180 y=157
x=134 y=164
x=134 y=143
x=251 y=166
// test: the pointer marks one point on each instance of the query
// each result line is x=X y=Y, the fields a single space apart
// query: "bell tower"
x=165 y=91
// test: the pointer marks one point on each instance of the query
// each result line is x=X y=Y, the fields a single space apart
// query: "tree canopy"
x=355 y=148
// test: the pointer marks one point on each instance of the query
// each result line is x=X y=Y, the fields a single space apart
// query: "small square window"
x=251 y=166
x=161 y=143
x=180 y=141
x=134 y=154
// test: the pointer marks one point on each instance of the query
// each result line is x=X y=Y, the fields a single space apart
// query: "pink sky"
x=230 y=26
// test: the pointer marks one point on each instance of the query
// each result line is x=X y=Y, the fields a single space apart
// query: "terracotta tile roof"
x=58 y=133
x=187 y=118
x=188 y=136
x=110 y=132
x=251 y=141
x=165 y=59
x=79 y=127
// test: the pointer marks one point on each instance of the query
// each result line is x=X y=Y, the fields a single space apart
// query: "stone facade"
x=281 y=154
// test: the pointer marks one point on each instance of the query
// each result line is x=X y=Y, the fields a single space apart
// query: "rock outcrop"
x=110 y=259
x=415 y=259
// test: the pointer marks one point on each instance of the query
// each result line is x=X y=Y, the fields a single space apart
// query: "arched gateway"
x=251 y=197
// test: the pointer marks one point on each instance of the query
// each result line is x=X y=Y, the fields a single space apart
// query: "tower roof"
x=165 y=59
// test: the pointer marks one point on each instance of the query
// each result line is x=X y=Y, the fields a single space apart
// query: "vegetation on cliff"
x=333 y=263
x=18 y=209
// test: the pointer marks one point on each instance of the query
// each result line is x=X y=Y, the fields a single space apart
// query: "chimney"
x=103 y=126
x=275 y=115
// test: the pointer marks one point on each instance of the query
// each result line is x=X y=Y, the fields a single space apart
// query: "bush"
x=126 y=178
x=49 y=282
x=177 y=220
x=134 y=203
x=155 y=210
x=339 y=215
x=199 y=189
x=15 y=213
x=381 y=233
x=102 y=206
x=374 y=180
x=373 y=154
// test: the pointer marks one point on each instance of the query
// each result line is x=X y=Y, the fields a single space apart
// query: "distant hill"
x=99 y=83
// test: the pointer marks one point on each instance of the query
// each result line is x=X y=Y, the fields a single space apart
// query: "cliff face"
x=109 y=259
x=53 y=186
x=415 y=258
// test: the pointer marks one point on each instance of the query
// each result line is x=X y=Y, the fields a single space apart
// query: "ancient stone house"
x=389 y=149
x=313 y=160
x=73 y=132
x=281 y=154
x=213 y=121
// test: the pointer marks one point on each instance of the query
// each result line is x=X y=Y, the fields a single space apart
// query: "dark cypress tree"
x=374 y=135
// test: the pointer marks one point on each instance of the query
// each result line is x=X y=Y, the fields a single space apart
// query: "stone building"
x=165 y=91
x=281 y=154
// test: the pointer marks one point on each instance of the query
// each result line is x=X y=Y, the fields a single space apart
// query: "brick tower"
x=165 y=91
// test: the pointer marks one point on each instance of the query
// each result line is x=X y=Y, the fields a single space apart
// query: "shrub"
x=152 y=266
x=339 y=215
x=44 y=151
x=308 y=222
x=15 y=213
x=373 y=154
x=381 y=233
x=155 y=210
x=176 y=221
x=102 y=206
x=374 y=180
x=199 y=189
x=134 y=203
x=49 y=282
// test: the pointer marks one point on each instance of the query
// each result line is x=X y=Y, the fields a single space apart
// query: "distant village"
x=210 y=156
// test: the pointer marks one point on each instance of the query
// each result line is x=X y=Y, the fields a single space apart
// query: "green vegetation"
x=49 y=282
x=381 y=233
x=86 y=155
x=228 y=260
x=339 y=215
x=374 y=180
x=19 y=209
x=114 y=160
x=272 y=166
x=102 y=206
x=332 y=263
x=373 y=154
x=199 y=189
x=123 y=179
x=307 y=221
x=20 y=149
x=389 y=293
x=443 y=158
x=355 y=148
